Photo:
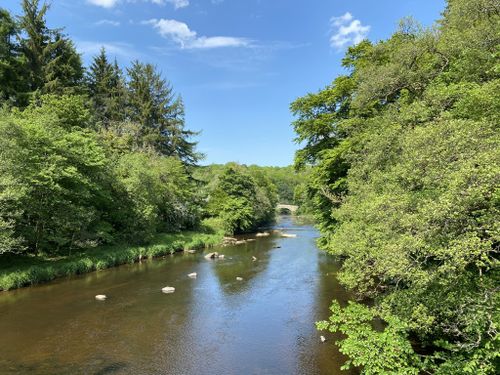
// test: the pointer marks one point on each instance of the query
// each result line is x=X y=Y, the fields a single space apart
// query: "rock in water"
x=254 y=259
x=101 y=297
x=288 y=235
x=168 y=289
x=193 y=275
x=221 y=256
x=191 y=251
x=265 y=234
x=322 y=338
x=212 y=255
x=239 y=278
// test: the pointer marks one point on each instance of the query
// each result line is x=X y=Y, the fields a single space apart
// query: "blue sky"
x=237 y=63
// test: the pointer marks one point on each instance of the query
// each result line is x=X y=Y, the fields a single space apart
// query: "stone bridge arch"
x=288 y=207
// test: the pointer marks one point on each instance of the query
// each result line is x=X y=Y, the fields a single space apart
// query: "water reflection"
x=213 y=324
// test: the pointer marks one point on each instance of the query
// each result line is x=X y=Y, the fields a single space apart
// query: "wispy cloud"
x=103 y=3
x=182 y=35
x=347 y=31
x=177 y=4
x=107 y=23
x=121 y=49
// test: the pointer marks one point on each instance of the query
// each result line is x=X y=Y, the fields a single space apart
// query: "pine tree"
x=53 y=65
x=63 y=72
x=12 y=84
x=160 y=113
x=99 y=85
x=118 y=110
x=106 y=87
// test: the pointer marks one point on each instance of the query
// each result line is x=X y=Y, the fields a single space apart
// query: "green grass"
x=20 y=271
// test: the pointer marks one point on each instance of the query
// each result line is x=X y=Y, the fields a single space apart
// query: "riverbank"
x=21 y=271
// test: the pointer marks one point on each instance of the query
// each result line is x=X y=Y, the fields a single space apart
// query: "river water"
x=212 y=325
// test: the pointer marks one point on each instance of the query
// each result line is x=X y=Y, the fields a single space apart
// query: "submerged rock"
x=322 y=338
x=168 y=289
x=191 y=251
x=254 y=259
x=221 y=256
x=251 y=240
x=193 y=275
x=240 y=242
x=101 y=297
x=239 y=278
x=288 y=235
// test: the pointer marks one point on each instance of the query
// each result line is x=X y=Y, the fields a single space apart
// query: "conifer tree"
x=12 y=83
x=52 y=63
x=160 y=113
x=99 y=82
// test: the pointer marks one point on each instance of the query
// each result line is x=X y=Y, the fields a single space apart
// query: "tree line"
x=405 y=173
x=99 y=155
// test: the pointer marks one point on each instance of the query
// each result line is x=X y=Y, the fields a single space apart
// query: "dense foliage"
x=86 y=158
x=242 y=197
x=95 y=156
x=287 y=181
x=405 y=183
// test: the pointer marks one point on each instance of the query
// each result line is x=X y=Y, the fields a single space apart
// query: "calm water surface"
x=211 y=325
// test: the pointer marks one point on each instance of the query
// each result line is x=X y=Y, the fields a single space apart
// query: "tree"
x=156 y=194
x=52 y=63
x=63 y=71
x=160 y=114
x=107 y=90
x=242 y=199
x=56 y=173
x=12 y=83
x=405 y=174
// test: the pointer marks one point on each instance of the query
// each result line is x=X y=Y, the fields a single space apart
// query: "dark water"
x=211 y=325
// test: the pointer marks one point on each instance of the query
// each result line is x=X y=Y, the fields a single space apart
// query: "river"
x=214 y=324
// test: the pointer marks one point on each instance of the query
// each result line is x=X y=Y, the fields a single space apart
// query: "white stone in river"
x=288 y=235
x=221 y=256
x=254 y=259
x=239 y=278
x=100 y=297
x=193 y=275
x=168 y=289
x=322 y=338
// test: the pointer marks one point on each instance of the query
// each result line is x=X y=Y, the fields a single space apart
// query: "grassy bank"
x=19 y=271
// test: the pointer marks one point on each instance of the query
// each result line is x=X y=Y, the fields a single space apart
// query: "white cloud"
x=180 y=33
x=104 y=3
x=176 y=3
x=112 y=3
x=347 y=31
x=107 y=23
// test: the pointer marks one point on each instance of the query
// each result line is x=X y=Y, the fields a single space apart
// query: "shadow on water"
x=213 y=324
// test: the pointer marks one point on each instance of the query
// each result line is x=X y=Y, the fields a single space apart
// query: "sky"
x=238 y=64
